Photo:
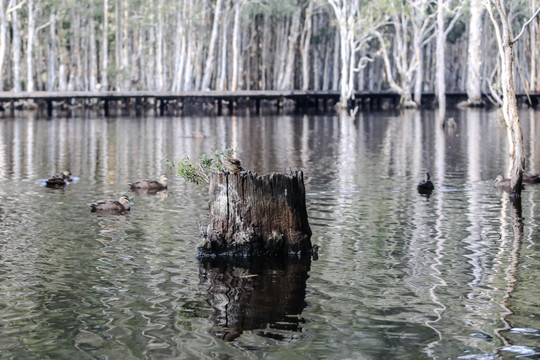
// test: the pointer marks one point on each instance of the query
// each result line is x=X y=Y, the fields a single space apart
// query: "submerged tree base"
x=253 y=215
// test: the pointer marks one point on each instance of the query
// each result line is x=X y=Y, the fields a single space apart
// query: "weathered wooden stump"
x=253 y=215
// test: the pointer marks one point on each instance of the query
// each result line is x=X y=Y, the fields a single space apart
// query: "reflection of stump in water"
x=253 y=215
x=255 y=295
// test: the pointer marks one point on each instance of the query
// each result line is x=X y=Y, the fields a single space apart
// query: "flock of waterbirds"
x=120 y=206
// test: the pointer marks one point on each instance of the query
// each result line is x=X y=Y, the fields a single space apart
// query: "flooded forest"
x=407 y=46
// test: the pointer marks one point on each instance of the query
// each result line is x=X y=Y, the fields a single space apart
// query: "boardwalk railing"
x=301 y=99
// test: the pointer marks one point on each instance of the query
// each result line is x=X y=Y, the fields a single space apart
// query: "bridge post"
x=49 y=108
x=219 y=106
x=106 y=107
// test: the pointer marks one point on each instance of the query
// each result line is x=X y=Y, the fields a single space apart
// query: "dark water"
x=399 y=275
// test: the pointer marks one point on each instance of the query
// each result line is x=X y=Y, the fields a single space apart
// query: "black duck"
x=59 y=180
x=531 y=178
x=505 y=184
x=147 y=184
x=119 y=206
x=425 y=186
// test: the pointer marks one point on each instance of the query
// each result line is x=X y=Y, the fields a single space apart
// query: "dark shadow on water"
x=264 y=294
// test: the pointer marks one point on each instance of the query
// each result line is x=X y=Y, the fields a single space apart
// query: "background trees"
x=186 y=45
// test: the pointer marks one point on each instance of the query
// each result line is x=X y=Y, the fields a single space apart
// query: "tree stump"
x=253 y=215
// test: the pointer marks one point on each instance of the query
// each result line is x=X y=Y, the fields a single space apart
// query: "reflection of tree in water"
x=258 y=294
x=512 y=270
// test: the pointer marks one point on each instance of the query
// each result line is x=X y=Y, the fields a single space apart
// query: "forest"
x=406 y=46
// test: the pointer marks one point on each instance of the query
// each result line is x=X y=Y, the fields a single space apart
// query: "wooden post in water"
x=253 y=215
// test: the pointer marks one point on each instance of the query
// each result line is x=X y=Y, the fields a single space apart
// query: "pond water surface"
x=399 y=275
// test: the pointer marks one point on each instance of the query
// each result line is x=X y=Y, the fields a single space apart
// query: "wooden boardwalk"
x=161 y=100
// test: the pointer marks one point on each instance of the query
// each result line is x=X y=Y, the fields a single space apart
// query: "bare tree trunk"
x=16 y=51
x=222 y=81
x=92 y=76
x=51 y=53
x=235 y=46
x=534 y=51
x=30 y=47
x=505 y=41
x=335 y=62
x=306 y=44
x=188 y=70
x=419 y=75
x=74 y=62
x=180 y=48
x=105 y=47
x=3 y=40
x=286 y=81
x=474 y=59
x=124 y=48
x=209 y=66
x=160 y=83
x=440 y=78
x=267 y=32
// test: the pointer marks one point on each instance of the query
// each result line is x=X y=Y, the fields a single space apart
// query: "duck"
x=120 y=206
x=505 y=184
x=531 y=178
x=147 y=184
x=232 y=165
x=59 y=180
x=425 y=186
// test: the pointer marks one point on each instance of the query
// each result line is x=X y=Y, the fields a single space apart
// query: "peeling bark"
x=253 y=215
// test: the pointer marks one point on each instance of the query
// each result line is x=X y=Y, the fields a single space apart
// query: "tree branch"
x=16 y=7
x=525 y=25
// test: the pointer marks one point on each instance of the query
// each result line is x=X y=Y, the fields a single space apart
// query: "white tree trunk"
x=222 y=81
x=51 y=53
x=287 y=81
x=105 y=47
x=124 y=48
x=3 y=40
x=30 y=47
x=419 y=74
x=160 y=69
x=16 y=51
x=534 y=52
x=440 y=79
x=210 y=62
x=306 y=44
x=188 y=65
x=474 y=59
x=93 y=71
x=180 y=49
x=235 y=46
x=267 y=33
x=336 y=60
x=510 y=112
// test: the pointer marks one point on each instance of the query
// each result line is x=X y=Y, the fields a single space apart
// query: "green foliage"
x=197 y=172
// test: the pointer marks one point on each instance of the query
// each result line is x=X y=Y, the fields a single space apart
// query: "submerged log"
x=253 y=215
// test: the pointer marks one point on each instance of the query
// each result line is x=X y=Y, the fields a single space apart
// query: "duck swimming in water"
x=59 y=180
x=505 y=184
x=147 y=184
x=425 y=186
x=531 y=178
x=120 y=206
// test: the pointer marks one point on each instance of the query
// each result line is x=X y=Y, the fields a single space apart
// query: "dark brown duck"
x=59 y=180
x=147 y=184
x=122 y=205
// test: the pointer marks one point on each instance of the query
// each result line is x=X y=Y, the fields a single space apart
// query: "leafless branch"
x=525 y=25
